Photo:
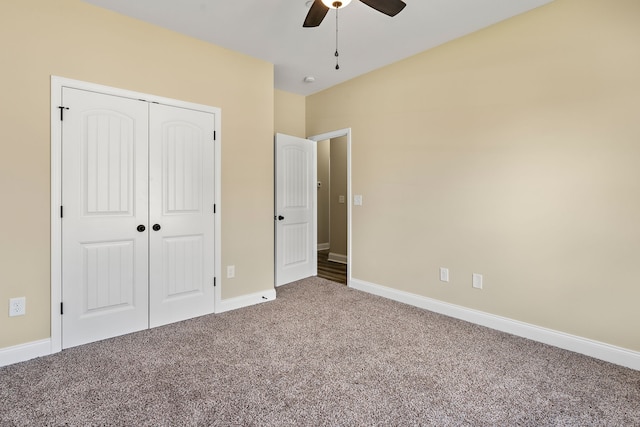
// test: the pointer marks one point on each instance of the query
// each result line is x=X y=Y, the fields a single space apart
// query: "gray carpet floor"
x=320 y=354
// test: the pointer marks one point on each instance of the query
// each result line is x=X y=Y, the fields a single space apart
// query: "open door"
x=295 y=209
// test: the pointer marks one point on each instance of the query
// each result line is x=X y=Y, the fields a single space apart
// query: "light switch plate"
x=231 y=271
x=357 y=200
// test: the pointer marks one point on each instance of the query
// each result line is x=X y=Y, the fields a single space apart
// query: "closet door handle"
x=156 y=227
x=141 y=228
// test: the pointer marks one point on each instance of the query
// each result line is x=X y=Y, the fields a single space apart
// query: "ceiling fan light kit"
x=319 y=9
x=332 y=4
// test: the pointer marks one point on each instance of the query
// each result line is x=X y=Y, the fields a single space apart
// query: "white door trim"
x=337 y=134
x=57 y=83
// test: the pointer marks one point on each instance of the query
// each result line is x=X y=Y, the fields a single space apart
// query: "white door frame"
x=57 y=83
x=337 y=134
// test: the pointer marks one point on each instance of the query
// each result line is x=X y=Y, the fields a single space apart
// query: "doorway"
x=332 y=209
x=334 y=205
x=299 y=249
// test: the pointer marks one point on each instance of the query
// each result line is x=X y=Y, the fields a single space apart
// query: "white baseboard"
x=323 y=246
x=596 y=349
x=245 y=301
x=342 y=259
x=23 y=352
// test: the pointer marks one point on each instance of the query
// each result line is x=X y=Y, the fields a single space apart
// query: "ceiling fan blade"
x=316 y=14
x=388 y=7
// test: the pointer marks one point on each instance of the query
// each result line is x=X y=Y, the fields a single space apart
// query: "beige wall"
x=69 y=38
x=289 y=113
x=324 y=204
x=338 y=188
x=514 y=153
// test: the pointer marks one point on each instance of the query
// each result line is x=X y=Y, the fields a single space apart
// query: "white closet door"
x=104 y=194
x=181 y=220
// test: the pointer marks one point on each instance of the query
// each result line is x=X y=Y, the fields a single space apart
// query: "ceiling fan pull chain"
x=337 y=54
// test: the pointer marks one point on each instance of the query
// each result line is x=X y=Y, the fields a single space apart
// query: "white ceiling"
x=272 y=30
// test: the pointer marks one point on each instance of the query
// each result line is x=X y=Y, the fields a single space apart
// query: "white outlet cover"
x=444 y=274
x=17 y=306
x=477 y=281
x=231 y=271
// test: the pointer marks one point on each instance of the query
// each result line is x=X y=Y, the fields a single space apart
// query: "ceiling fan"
x=319 y=9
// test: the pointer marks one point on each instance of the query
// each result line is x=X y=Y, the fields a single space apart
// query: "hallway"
x=331 y=270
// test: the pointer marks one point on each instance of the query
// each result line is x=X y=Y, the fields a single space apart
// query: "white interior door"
x=138 y=225
x=295 y=203
x=181 y=214
x=104 y=198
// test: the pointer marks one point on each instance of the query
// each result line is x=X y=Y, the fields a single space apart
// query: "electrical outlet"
x=231 y=271
x=444 y=274
x=476 y=281
x=17 y=306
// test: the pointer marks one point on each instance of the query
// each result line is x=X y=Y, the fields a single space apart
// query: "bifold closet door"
x=105 y=214
x=181 y=214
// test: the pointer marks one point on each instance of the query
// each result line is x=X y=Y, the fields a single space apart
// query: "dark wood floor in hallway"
x=331 y=270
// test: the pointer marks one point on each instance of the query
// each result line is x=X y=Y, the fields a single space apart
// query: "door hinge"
x=62 y=112
x=214 y=208
x=61 y=211
x=214 y=135
x=214 y=282
x=61 y=310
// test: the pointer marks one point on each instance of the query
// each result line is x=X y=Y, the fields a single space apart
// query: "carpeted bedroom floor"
x=321 y=354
